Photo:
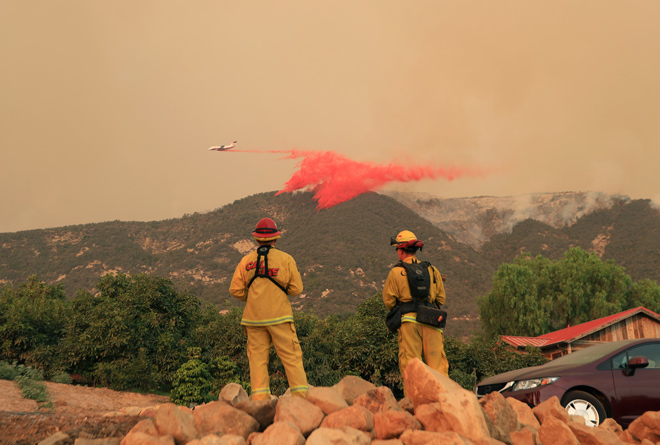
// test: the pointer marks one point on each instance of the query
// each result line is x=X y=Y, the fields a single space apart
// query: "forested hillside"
x=343 y=252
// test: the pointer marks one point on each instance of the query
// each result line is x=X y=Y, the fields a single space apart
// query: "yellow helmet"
x=406 y=240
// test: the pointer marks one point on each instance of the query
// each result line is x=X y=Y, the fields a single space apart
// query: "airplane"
x=223 y=147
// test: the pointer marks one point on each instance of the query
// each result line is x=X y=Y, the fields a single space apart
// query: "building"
x=633 y=323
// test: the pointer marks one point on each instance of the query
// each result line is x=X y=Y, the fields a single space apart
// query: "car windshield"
x=586 y=355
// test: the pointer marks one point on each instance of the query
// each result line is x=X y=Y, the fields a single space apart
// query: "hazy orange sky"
x=107 y=108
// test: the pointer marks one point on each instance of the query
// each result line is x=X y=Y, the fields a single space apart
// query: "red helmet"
x=266 y=230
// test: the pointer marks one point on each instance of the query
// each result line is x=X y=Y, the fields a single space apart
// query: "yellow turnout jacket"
x=266 y=304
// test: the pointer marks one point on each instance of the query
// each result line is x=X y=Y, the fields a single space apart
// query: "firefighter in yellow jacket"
x=264 y=279
x=415 y=338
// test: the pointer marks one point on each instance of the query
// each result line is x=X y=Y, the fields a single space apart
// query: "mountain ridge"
x=343 y=252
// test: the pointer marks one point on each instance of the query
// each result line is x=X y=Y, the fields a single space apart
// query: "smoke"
x=335 y=179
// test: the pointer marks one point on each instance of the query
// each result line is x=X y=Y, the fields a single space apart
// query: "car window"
x=651 y=351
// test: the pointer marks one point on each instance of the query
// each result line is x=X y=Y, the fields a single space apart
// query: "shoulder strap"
x=419 y=279
x=262 y=272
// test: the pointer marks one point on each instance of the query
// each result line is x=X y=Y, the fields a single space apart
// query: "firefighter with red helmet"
x=264 y=279
x=413 y=337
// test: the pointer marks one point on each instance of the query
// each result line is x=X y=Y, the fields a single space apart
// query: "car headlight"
x=533 y=383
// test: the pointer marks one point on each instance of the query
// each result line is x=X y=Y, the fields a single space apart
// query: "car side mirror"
x=634 y=363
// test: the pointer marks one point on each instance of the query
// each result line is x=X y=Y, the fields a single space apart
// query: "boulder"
x=145 y=432
x=525 y=436
x=457 y=411
x=357 y=417
x=500 y=411
x=213 y=439
x=232 y=393
x=328 y=399
x=407 y=405
x=410 y=437
x=338 y=436
x=175 y=422
x=219 y=417
x=646 y=426
x=391 y=424
x=378 y=400
x=588 y=435
x=351 y=387
x=263 y=411
x=305 y=415
x=550 y=408
x=524 y=412
x=424 y=385
x=279 y=433
x=554 y=431
x=58 y=438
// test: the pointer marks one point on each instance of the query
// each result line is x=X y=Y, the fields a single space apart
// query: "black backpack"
x=262 y=272
x=419 y=278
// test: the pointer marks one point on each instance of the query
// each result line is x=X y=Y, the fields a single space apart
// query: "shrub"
x=192 y=384
x=8 y=371
x=32 y=389
x=61 y=377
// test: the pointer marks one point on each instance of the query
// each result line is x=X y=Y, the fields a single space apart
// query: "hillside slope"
x=343 y=252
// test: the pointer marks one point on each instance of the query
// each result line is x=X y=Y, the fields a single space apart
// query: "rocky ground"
x=77 y=410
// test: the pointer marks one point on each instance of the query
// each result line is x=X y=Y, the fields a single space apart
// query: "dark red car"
x=620 y=380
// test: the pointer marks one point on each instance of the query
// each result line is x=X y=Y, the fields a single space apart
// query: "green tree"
x=134 y=333
x=32 y=321
x=534 y=296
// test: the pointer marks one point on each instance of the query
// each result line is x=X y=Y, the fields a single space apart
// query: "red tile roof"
x=578 y=331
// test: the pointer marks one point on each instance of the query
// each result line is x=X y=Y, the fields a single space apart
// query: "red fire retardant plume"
x=335 y=179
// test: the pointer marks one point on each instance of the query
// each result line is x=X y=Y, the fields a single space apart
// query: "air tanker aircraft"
x=224 y=147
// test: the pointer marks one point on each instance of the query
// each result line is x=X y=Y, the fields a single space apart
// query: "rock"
x=457 y=411
x=263 y=411
x=105 y=441
x=378 y=400
x=407 y=405
x=391 y=424
x=219 y=417
x=525 y=436
x=328 y=399
x=172 y=421
x=213 y=439
x=424 y=385
x=496 y=432
x=351 y=387
x=550 y=408
x=500 y=411
x=646 y=426
x=279 y=433
x=342 y=436
x=357 y=417
x=59 y=438
x=554 y=431
x=305 y=415
x=145 y=432
x=410 y=437
x=232 y=393
x=587 y=435
x=524 y=412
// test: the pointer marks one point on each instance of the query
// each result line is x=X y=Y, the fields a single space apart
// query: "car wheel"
x=580 y=403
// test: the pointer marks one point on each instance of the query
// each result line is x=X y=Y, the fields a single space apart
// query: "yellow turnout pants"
x=415 y=339
x=283 y=337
